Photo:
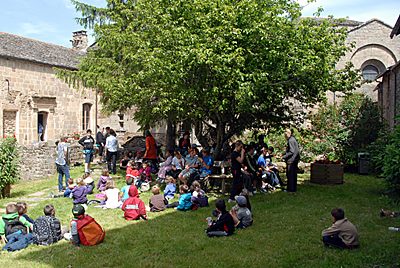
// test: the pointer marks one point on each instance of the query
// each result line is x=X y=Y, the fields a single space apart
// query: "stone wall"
x=33 y=91
x=37 y=161
x=9 y=122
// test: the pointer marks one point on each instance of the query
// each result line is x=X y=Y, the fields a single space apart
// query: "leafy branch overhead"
x=233 y=64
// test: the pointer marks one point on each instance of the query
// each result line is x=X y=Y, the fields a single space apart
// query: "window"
x=86 y=116
x=121 y=120
x=370 y=72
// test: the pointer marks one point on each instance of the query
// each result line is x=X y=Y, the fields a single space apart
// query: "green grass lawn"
x=286 y=232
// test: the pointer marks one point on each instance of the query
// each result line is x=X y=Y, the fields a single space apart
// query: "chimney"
x=79 y=40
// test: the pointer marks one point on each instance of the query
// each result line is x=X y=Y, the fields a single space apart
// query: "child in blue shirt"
x=184 y=202
x=170 y=188
x=125 y=189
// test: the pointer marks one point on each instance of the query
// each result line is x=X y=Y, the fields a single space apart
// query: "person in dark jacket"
x=100 y=142
x=224 y=225
x=88 y=148
x=292 y=158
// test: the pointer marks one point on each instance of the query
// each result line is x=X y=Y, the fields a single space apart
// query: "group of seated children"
x=194 y=166
x=239 y=217
x=18 y=230
x=140 y=173
x=259 y=171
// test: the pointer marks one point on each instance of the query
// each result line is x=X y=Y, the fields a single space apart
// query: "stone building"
x=33 y=100
x=374 y=51
x=389 y=86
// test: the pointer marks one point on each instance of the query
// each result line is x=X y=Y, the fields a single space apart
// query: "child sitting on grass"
x=170 y=188
x=184 y=202
x=241 y=214
x=342 y=234
x=23 y=210
x=224 y=225
x=125 y=189
x=80 y=192
x=157 y=201
x=112 y=196
x=47 y=228
x=15 y=230
x=84 y=229
x=133 y=207
x=199 y=197
x=87 y=178
x=132 y=170
x=101 y=184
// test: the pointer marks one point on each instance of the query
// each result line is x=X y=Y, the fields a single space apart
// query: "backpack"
x=46 y=231
x=13 y=226
x=89 y=231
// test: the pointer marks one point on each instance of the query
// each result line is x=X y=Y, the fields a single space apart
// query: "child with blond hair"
x=170 y=188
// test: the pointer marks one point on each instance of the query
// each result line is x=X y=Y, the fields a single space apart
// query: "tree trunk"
x=220 y=141
x=6 y=191
x=171 y=134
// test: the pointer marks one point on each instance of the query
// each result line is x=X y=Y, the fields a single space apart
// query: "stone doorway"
x=42 y=126
x=9 y=123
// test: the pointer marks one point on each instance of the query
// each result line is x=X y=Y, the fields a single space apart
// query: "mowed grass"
x=286 y=232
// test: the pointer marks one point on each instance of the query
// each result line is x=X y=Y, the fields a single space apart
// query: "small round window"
x=370 y=73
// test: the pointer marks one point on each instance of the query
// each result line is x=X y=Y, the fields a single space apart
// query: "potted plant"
x=327 y=171
x=9 y=160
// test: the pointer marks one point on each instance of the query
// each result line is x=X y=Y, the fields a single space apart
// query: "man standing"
x=292 y=158
x=237 y=158
x=100 y=141
x=62 y=163
x=112 y=151
x=88 y=145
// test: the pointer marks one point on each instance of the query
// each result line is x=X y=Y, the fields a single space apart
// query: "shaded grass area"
x=286 y=233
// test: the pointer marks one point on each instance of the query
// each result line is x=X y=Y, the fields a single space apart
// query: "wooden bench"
x=221 y=172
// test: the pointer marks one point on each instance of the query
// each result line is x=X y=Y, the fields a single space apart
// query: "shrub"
x=391 y=160
x=9 y=160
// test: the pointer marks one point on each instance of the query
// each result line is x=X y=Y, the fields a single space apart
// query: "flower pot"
x=6 y=191
x=322 y=173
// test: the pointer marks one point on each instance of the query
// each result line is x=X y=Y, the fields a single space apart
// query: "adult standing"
x=292 y=158
x=62 y=163
x=100 y=141
x=151 y=149
x=112 y=151
x=88 y=145
x=237 y=158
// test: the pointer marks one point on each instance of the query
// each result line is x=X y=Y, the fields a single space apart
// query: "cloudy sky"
x=54 y=20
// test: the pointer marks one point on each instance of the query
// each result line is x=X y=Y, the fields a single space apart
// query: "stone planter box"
x=326 y=173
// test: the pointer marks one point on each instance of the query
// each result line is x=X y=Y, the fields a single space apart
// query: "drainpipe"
x=95 y=111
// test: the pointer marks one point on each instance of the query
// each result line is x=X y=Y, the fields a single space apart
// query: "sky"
x=53 y=21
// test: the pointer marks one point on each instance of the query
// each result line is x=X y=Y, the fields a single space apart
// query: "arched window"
x=86 y=116
x=370 y=73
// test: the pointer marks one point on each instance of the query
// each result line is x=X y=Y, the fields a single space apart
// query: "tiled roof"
x=18 y=47
x=341 y=22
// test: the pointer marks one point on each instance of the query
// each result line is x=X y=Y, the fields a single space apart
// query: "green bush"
x=391 y=160
x=9 y=160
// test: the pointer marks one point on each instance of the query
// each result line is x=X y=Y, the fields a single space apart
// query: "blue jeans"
x=17 y=241
x=62 y=171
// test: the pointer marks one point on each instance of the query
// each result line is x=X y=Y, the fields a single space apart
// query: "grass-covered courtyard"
x=286 y=232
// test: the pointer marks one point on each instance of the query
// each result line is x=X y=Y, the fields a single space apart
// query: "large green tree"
x=224 y=65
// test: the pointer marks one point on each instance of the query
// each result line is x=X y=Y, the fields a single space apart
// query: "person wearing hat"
x=241 y=214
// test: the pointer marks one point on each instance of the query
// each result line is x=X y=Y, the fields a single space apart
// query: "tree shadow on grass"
x=169 y=240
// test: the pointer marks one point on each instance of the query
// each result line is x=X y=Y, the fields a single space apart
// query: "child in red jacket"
x=133 y=207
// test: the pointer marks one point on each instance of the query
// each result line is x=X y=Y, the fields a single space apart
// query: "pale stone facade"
x=374 y=49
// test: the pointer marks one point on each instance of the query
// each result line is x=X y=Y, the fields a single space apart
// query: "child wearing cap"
x=241 y=214
x=84 y=229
